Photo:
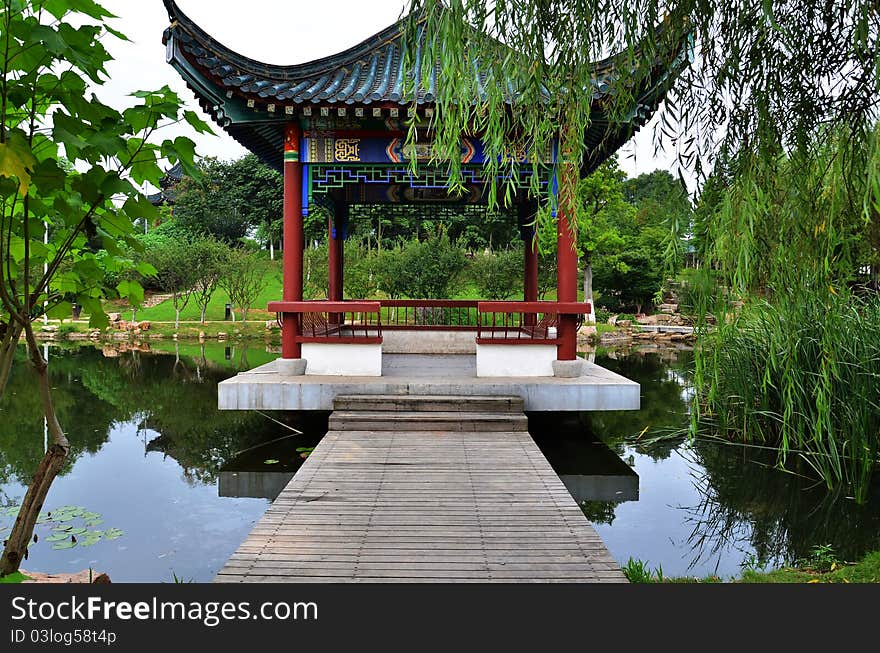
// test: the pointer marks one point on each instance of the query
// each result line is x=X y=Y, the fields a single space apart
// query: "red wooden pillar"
x=567 y=265
x=292 y=261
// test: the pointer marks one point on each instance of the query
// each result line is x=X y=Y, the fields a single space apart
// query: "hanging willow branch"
x=765 y=73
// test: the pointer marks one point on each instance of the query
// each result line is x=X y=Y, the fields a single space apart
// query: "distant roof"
x=251 y=100
x=167 y=193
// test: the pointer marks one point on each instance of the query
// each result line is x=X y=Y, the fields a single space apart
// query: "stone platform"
x=263 y=388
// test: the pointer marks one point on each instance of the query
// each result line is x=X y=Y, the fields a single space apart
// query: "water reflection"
x=186 y=482
x=147 y=449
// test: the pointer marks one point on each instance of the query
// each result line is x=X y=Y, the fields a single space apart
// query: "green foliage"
x=498 y=275
x=208 y=203
x=16 y=577
x=602 y=315
x=88 y=198
x=392 y=272
x=315 y=272
x=244 y=278
x=359 y=281
x=629 y=279
x=800 y=373
x=432 y=268
x=789 y=239
x=637 y=571
x=209 y=256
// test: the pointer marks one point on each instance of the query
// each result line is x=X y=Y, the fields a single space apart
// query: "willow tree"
x=68 y=169
x=764 y=73
x=788 y=89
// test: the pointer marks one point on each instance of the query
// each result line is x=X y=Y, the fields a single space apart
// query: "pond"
x=160 y=485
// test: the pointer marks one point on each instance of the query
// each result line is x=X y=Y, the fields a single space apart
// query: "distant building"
x=168 y=187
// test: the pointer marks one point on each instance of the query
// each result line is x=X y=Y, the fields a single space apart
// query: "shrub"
x=498 y=275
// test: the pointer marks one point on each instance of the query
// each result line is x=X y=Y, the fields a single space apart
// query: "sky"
x=290 y=32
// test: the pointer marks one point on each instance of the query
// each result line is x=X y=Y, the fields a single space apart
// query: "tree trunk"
x=176 y=319
x=8 y=345
x=204 y=309
x=590 y=317
x=244 y=312
x=15 y=549
x=271 y=249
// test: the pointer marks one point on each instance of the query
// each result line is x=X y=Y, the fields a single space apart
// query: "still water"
x=174 y=485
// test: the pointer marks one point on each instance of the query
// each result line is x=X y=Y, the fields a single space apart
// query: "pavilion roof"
x=251 y=100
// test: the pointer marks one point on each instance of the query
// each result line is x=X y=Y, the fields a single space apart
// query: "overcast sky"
x=275 y=32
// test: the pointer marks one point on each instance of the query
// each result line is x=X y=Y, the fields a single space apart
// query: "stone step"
x=452 y=421
x=429 y=403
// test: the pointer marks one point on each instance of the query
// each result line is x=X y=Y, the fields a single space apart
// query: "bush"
x=498 y=276
x=432 y=269
x=602 y=314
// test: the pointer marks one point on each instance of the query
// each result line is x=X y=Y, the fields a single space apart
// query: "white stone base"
x=515 y=360
x=291 y=366
x=342 y=360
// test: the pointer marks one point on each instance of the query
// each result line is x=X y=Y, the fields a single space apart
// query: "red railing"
x=361 y=322
x=527 y=323
x=430 y=314
x=357 y=322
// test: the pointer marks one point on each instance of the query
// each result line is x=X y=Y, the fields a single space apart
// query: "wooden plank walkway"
x=424 y=500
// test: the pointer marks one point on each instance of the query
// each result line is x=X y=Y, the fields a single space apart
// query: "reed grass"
x=802 y=374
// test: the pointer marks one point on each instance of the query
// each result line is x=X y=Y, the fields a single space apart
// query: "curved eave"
x=251 y=100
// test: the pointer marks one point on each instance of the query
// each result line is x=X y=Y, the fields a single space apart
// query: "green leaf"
x=58 y=537
x=113 y=533
x=17 y=160
x=197 y=123
x=64 y=545
x=60 y=310
x=132 y=291
x=271 y=461
x=48 y=176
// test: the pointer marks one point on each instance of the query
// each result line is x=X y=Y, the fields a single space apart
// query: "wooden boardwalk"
x=455 y=491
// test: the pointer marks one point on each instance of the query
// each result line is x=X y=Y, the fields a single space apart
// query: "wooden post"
x=292 y=262
x=567 y=262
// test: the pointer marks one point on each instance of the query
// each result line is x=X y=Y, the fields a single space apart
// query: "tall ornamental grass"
x=801 y=374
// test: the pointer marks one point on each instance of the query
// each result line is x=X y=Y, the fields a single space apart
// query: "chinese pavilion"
x=334 y=128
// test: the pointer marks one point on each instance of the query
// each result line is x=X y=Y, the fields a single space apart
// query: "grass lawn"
x=817 y=570
x=164 y=312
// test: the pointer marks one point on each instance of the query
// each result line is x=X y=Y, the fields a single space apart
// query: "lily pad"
x=91 y=538
x=58 y=537
x=64 y=545
x=113 y=533
x=271 y=461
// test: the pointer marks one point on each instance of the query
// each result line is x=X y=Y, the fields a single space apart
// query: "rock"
x=668 y=308
x=110 y=352
x=660 y=318
x=586 y=331
x=145 y=325
x=626 y=324
x=84 y=576
x=155 y=336
x=49 y=328
x=222 y=336
x=114 y=317
x=201 y=336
